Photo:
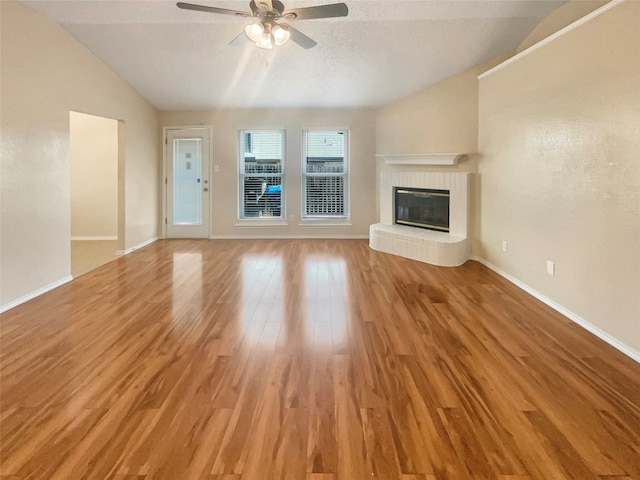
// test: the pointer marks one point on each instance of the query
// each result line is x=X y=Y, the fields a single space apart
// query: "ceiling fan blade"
x=241 y=39
x=300 y=38
x=204 y=8
x=321 y=11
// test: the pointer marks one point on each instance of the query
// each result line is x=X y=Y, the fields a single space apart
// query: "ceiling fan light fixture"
x=280 y=34
x=254 y=31
x=265 y=41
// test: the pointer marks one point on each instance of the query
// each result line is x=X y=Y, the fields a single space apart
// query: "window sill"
x=262 y=222
x=325 y=222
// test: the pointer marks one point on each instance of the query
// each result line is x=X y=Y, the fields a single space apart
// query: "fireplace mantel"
x=421 y=158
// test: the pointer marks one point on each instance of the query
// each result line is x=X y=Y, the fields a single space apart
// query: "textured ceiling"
x=384 y=50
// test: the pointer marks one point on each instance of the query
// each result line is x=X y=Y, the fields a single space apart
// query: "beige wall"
x=442 y=118
x=226 y=123
x=94 y=175
x=559 y=139
x=46 y=74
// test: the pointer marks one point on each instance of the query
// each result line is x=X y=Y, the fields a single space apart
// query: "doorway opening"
x=95 y=154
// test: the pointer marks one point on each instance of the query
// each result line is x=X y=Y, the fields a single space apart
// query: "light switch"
x=551 y=268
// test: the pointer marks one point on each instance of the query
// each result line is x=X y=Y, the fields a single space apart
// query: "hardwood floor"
x=309 y=360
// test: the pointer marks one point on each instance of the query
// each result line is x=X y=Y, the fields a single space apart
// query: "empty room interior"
x=310 y=240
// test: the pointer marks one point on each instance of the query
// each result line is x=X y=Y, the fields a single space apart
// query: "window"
x=261 y=164
x=324 y=172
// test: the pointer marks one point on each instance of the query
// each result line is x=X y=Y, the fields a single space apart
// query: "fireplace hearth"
x=422 y=207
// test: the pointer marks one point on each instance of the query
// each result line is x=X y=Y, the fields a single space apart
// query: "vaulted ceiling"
x=382 y=51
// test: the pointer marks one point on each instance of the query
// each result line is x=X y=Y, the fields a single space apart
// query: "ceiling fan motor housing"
x=260 y=7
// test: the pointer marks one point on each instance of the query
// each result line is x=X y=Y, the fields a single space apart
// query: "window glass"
x=325 y=170
x=261 y=173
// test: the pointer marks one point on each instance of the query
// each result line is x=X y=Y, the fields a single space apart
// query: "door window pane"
x=187 y=178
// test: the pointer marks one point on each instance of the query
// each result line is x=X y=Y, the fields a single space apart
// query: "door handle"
x=205 y=189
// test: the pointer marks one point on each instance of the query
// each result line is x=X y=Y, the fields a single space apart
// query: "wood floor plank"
x=350 y=437
x=231 y=456
x=320 y=476
x=559 y=449
x=418 y=477
x=381 y=456
x=306 y=360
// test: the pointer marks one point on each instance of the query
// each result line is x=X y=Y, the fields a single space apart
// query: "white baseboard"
x=284 y=237
x=64 y=280
x=601 y=334
x=35 y=294
x=120 y=253
x=94 y=237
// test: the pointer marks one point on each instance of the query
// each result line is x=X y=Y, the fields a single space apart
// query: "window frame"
x=345 y=174
x=242 y=175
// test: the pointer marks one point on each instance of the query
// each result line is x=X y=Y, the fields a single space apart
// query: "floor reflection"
x=325 y=319
x=262 y=305
x=187 y=283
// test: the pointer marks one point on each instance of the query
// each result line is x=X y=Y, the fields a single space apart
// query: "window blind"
x=325 y=173
x=261 y=162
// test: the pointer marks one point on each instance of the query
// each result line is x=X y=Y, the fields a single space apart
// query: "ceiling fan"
x=266 y=31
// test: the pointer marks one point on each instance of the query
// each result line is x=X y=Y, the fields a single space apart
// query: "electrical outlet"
x=292 y=218
x=551 y=268
x=216 y=168
x=504 y=245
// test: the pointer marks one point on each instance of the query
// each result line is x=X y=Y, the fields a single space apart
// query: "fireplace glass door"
x=423 y=208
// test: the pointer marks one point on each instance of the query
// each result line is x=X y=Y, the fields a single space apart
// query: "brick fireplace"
x=436 y=247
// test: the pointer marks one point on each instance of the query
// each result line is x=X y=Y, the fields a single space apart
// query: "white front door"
x=188 y=186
